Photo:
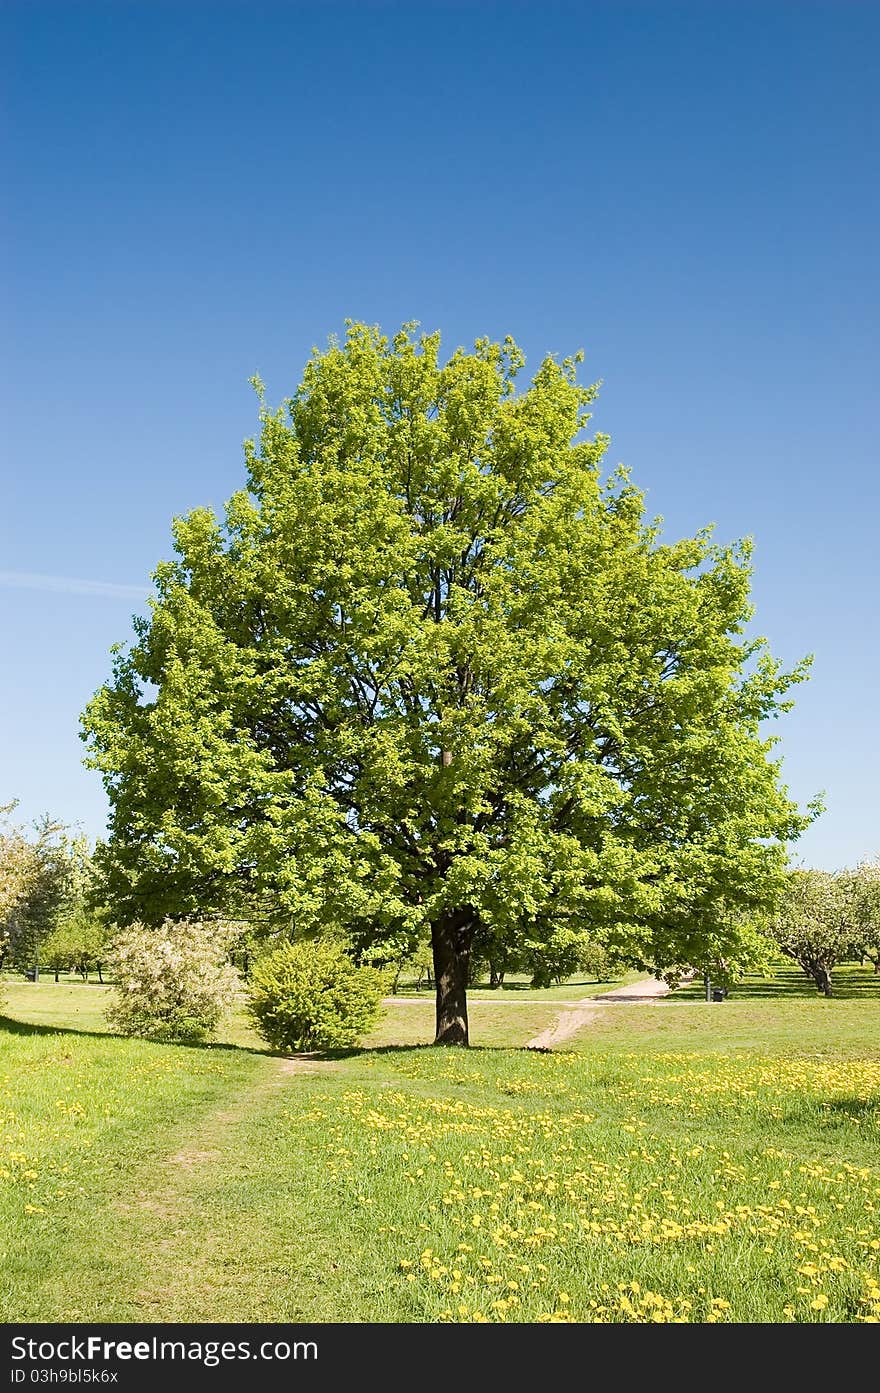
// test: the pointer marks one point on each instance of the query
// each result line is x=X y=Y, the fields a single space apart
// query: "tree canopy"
x=46 y=881
x=432 y=670
x=822 y=919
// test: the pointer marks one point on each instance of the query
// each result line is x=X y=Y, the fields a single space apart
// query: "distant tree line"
x=826 y=918
x=51 y=918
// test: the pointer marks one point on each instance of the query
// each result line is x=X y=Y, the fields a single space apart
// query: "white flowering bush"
x=172 y=983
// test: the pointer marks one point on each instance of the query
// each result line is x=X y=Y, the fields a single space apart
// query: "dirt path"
x=208 y=1137
x=568 y=1023
x=216 y=1124
x=160 y=1209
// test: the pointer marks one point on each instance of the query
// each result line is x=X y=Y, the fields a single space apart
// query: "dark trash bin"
x=718 y=993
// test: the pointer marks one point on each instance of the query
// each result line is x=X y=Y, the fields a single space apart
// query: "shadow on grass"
x=47 y=979
x=567 y=985
x=791 y=984
x=857 y=1108
x=12 y=1026
x=422 y=1046
x=425 y=993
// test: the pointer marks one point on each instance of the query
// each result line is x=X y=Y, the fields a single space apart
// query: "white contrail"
x=67 y=585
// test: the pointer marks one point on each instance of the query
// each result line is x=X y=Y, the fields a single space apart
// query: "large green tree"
x=432 y=671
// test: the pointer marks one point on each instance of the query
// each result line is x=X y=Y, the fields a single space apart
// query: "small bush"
x=172 y=983
x=311 y=996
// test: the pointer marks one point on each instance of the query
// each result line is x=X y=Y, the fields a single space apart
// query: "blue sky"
x=198 y=191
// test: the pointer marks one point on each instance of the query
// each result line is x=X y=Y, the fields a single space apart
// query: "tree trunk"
x=822 y=977
x=451 y=943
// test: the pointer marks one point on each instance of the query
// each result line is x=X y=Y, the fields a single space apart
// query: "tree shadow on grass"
x=410 y=992
x=565 y=986
x=426 y=1047
x=12 y=1026
x=852 y=1108
x=790 y=984
x=833 y=1114
x=787 y=986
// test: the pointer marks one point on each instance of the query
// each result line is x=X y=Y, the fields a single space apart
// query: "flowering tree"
x=16 y=872
x=816 y=923
x=863 y=889
x=43 y=871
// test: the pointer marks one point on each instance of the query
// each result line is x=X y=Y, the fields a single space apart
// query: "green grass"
x=680 y=1160
x=83 y=1118
x=518 y=987
x=851 y=982
x=79 y=1006
x=68 y=1005
x=411 y=1022
x=754 y=1017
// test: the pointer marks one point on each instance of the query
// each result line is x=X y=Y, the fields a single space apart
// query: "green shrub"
x=596 y=960
x=311 y=996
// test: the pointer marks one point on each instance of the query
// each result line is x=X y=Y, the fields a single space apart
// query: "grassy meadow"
x=675 y=1161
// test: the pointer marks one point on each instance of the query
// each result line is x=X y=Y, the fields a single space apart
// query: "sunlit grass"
x=80 y=1116
x=676 y=1161
x=520 y=1188
x=516 y=986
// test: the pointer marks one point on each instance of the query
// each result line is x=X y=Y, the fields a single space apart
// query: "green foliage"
x=16 y=867
x=58 y=951
x=310 y=996
x=43 y=889
x=48 y=892
x=817 y=923
x=562 y=953
x=863 y=889
x=79 y=942
x=173 y=982
x=433 y=673
x=595 y=959
x=726 y=957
